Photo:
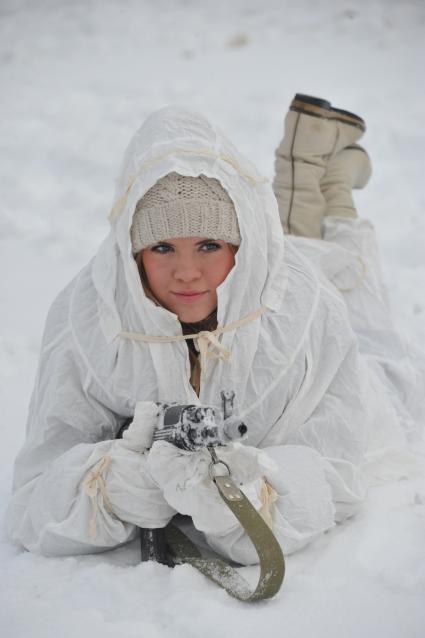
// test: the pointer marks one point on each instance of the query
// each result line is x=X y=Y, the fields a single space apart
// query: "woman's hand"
x=139 y=434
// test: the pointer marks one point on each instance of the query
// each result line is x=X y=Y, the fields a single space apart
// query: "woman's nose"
x=187 y=270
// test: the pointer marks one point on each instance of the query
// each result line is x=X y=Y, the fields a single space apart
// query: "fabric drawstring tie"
x=361 y=278
x=94 y=483
x=204 y=339
x=268 y=496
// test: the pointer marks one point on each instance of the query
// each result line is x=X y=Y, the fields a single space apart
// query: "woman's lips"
x=188 y=296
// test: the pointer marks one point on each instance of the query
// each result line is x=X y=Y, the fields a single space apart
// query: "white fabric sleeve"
x=338 y=431
x=76 y=489
x=304 y=508
x=312 y=495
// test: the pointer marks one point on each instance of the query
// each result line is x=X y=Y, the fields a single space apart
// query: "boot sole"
x=322 y=108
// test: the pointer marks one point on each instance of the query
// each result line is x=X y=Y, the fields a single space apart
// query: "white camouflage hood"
x=170 y=140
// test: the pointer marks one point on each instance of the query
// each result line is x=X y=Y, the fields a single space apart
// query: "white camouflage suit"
x=324 y=385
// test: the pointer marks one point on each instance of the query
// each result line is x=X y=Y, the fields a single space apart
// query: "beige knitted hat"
x=181 y=206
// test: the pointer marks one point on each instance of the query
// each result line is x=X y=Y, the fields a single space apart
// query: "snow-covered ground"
x=77 y=78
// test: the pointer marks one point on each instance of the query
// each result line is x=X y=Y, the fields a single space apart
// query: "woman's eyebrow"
x=205 y=241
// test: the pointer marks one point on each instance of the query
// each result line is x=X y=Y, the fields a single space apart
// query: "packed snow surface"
x=78 y=77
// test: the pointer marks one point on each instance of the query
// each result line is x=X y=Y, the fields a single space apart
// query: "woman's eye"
x=161 y=248
x=210 y=246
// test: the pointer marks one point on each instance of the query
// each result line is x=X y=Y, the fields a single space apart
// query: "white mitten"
x=138 y=436
x=187 y=487
x=133 y=494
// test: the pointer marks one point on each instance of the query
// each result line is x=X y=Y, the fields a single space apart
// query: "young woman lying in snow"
x=297 y=326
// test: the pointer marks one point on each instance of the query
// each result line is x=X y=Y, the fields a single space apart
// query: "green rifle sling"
x=272 y=563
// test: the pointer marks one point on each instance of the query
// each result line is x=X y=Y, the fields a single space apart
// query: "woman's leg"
x=318 y=163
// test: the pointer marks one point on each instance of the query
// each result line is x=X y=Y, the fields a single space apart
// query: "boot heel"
x=318 y=107
x=348 y=118
x=310 y=105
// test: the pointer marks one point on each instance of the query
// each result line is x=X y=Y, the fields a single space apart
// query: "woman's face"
x=184 y=274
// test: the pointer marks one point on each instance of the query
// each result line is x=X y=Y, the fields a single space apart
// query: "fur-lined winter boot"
x=315 y=133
